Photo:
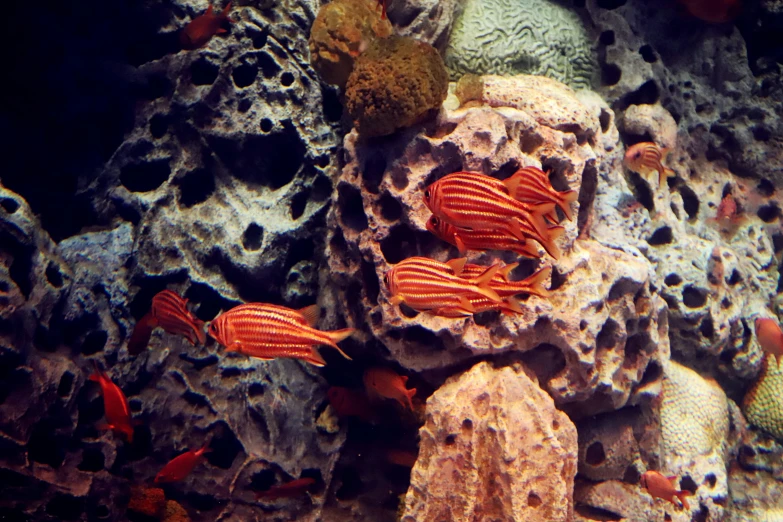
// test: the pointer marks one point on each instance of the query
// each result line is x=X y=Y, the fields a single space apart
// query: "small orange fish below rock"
x=660 y=486
x=713 y=11
x=180 y=467
x=115 y=406
x=646 y=157
x=201 y=29
x=769 y=337
x=169 y=311
x=387 y=383
x=349 y=403
x=267 y=331
x=287 y=490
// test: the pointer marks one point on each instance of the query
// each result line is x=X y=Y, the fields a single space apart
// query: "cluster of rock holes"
x=146 y=176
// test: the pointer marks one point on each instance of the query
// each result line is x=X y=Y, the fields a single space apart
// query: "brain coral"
x=511 y=37
x=763 y=404
x=397 y=82
x=694 y=413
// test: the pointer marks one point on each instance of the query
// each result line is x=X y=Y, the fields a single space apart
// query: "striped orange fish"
x=647 y=157
x=115 y=405
x=425 y=284
x=533 y=284
x=479 y=304
x=470 y=200
x=498 y=239
x=531 y=185
x=169 y=311
x=267 y=331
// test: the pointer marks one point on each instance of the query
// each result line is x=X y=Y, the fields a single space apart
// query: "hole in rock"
x=662 y=236
x=421 y=338
x=707 y=328
x=623 y=286
x=646 y=94
x=299 y=204
x=533 y=500
x=450 y=440
x=710 y=479
x=66 y=384
x=244 y=75
x=690 y=201
x=195 y=187
x=672 y=280
x=53 y=275
x=610 y=4
x=607 y=38
x=65 y=507
x=596 y=513
x=159 y=125
x=769 y=213
x=605 y=119
x=92 y=460
x=734 y=278
x=349 y=201
x=372 y=173
x=635 y=345
x=631 y=475
x=372 y=286
x=94 y=342
x=244 y=105
x=145 y=177
x=266 y=125
x=202 y=502
x=765 y=187
x=46 y=446
x=287 y=79
x=467 y=425
x=595 y=454
x=642 y=191
x=391 y=210
x=607 y=337
x=9 y=205
x=761 y=133
x=225 y=447
x=610 y=74
x=333 y=109
x=545 y=360
x=259 y=39
x=399 y=244
x=269 y=67
x=351 y=485
x=203 y=72
x=648 y=55
x=688 y=483
x=101 y=511
x=694 y=297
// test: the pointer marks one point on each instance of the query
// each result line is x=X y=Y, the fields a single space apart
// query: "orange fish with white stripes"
x=498 y=239
x=425 y=284
x=169 y=311
x=532 y=185
x=474 y=201
x=267 y=331
x=115 y=406
x=646 y=157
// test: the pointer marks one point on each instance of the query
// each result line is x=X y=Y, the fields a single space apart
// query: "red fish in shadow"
x=349 y=403
x=180 y=467
x=115 y=406
x=388 y=384
x=170 y=312
x=201 y=29
x=287 y=490
x=713 y=11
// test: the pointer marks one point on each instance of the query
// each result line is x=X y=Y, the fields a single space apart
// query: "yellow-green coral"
x=397 y=82
x=763 y=404
x=694 y=413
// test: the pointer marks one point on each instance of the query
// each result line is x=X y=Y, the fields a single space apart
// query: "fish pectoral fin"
x=235 y=346
x=311 y=314
x=221 y=31
x=396 y=299
x=466 y=305
x=457 y=264
x=460 y=244
x=315 y=358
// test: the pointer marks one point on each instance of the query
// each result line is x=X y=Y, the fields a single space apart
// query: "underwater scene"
x=392 y=260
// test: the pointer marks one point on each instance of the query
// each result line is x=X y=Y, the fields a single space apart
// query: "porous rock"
x=538 y=37
x=763 y=403
x=493 y=444
x=600 y=352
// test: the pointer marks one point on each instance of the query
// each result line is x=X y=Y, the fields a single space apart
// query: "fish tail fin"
x=314 y=358
x=482 y=283
x=681 y=495
x=142 y=331
x=338 y=335
x=537 y=218
x=503 y=272
x=565 y=200
x=311 y=314
x=409 y=394
x=198 y=328
x=552 y=234
x=536 y=282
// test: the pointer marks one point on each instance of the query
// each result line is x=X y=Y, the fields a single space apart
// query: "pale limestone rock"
x=651 y=120
x=493 y=445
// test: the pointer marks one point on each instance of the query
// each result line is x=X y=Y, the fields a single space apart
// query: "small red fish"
x=713 y=11
x=180 y=467
x=474 y=201
x=388 y=384
x=267 y=331
x=287 y=490
x=168 y=311
x=769 y=336
x=115 y=406
x=201 y=29
x=663 y=487
x=531 y=185
x=349 y=403
x=425 y=284
x=647 y=157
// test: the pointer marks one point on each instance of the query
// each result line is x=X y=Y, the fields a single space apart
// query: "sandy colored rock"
x=493 y=445
x=763 y=404
x=653 y=121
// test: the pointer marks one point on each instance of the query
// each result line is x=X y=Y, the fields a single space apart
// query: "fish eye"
x=427 y=194
x=386 y=280
x=637 y=155
x=434 y=220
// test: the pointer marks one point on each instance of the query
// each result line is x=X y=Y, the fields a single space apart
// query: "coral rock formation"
x=763 y=404
x=493 y=445
x=397 y=82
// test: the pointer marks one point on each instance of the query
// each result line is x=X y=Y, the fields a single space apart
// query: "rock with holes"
x=653 y=123
x=539 y=37
x=755 y=495
x=617 y=500
x=596 y=344
x=428 y=20
x=763 y=403
x=493 y=445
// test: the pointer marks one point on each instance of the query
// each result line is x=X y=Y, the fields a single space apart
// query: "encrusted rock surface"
x=763 y=404
x=493 y=445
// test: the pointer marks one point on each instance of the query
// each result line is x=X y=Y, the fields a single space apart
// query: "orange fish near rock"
x=387 y=383
x=663 y=487
x=769 y=336
x=180 y=467
x=647 y=157
x=115 y=406
x=713 y=11
x=287 y=490
x=169 y=311
x=201 y=29
x=349 y=403
x=531 y=185
x=425 y=284
x=268 y=331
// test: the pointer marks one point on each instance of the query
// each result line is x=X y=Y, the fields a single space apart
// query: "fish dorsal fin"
x=311 y=314
x=457 y=264
x=404 y=378
x=209 y=10
x=512 y=183
x=482 y=282
x=672 y=479
x=503 y=272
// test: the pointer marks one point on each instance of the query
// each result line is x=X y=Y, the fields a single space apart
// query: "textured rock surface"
x=539 y=37
x=601 y=352
x=493 y=445
x=763 y=404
